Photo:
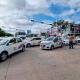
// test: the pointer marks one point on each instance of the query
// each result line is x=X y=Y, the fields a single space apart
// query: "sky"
x=16 y=14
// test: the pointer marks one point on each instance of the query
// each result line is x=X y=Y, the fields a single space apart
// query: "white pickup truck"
x=9 y=46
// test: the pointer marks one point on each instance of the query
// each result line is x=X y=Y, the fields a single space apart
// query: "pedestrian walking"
x=71 y=41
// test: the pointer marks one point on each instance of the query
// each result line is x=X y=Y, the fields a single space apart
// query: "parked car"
x=51 y=43
x=9 y=46
x=32 y=41
x=66 y=41
x=78 y=39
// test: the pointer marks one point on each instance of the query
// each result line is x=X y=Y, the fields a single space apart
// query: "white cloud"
x=58 y=1
x=14 y=13
x=69 y=20
x=74 y=6
x=74 y=3
x=69 y=12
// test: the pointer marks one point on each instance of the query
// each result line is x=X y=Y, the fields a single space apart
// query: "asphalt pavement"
x=37 y=64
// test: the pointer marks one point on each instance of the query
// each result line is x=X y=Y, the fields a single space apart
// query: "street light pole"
x=40 y=22
x=44 y=23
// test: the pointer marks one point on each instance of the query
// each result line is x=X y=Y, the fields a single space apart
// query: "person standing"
x=71 y=41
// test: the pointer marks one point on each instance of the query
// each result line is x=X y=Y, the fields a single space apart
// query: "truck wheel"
x=3 y=56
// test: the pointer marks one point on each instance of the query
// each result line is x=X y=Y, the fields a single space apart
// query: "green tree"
x=3 y=33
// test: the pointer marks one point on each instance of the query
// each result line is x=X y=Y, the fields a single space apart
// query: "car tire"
x=23 y=49
x=28 y=45
x=42 y=48
x=62 y=45
x=3 y=56
x=52 y=47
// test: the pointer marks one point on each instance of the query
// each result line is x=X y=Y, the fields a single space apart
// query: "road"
x=37 y=64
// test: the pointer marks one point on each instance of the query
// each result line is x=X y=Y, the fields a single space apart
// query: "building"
x=72 y=28
x=75 y=29
x=53 y=31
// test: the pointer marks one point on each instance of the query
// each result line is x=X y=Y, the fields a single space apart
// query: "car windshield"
x=50 y=39
x=3 y=42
